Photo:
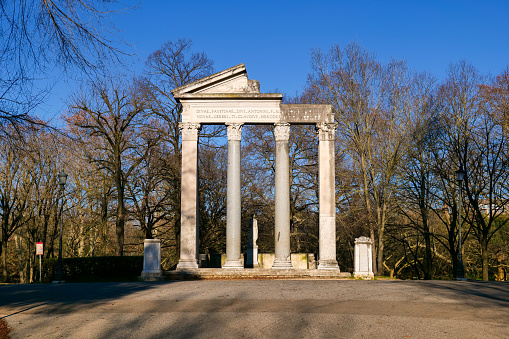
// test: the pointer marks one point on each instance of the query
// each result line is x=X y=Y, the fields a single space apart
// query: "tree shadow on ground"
x=66 y=295
x=472 y=292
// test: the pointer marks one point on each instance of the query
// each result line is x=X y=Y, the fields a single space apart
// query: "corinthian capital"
x=326 y=130
x=234 y=131
x=282 y=131
x=189 y=130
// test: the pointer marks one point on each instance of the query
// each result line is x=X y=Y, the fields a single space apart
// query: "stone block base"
x=233 y=264
x=328 y=265
x=363 y=275
x=151 y=276
x=187 y=264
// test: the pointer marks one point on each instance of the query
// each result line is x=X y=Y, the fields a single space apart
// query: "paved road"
x=258 y=309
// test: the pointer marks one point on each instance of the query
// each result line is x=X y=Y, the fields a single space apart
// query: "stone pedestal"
x=252 y=247
x=189 y=197
x=327 y=199
x=282 y=197
x=363 y=261
x=233 y=198
x=152 y=260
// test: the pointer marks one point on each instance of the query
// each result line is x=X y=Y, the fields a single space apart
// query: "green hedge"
x=88 y=269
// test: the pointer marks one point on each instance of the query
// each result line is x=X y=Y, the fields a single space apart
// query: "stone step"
x=211 y=273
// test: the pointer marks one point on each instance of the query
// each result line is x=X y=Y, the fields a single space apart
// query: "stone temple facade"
x=230 y=98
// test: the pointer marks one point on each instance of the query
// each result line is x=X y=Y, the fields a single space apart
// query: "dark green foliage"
x=88 y=269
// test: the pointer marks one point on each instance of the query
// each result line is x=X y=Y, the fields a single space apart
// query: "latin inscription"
x=297 y=113
x=291 y=113
x=203 y=114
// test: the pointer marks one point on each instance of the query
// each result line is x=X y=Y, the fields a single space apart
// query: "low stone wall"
x=300 y=261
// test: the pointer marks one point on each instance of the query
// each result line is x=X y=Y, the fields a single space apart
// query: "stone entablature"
x=247 y=109
x=230 y=97
x=206 y=108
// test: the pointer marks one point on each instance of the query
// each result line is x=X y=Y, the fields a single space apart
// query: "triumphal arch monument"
x=230 y=98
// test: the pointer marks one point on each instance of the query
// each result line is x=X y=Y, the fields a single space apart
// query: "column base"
x=187 y=264
x=282 y=264
x=364 y=275
x=233 y=264
x=152 y=275
x=328 y=265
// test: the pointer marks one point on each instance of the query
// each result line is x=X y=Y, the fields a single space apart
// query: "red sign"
x=39 y=249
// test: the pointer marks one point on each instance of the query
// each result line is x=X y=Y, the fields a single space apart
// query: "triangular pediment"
x=231 y=80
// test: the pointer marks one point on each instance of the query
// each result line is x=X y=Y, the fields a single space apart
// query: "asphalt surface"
x=258 y=309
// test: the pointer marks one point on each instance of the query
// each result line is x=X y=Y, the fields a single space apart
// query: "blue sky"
x=274 y=38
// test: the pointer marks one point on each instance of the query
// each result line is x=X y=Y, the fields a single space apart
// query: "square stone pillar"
x=189 y=197
x=363 y=261
x=233 y=198
x=282 y=197
x=152 y=260
x=327 y=198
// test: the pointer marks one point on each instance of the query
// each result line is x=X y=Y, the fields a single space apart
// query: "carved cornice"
x=363 y=240
x=282 y=131
x=326 y=130
x=234 y=131
x=189 y=130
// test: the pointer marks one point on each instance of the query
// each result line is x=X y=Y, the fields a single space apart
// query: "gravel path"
x=258 y=309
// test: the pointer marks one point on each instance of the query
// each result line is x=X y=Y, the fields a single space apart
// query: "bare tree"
x=41 y=35
x=172 y=66
x=370 y=104
x=415 y=197
x=466 y=127
x=16 y=187
x=486 y=160
x=148 y=189
x=112 y=112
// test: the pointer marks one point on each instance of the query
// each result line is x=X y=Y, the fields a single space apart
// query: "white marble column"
x=327 y=200
x=189 y=197
x=233 y=198
x=282 y=197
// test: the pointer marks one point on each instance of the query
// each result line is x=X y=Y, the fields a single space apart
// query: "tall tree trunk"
x=81 y=246
x=427 y=242
x=373 y=252
x=4 y=259
x=484 y=255
x=368 y=213
x=103 y=232
x=21 y=264
x=120 y=236
x=380 y=252
x=120 y=223
x=381 y=213
x=428 y=259
x=148 y=231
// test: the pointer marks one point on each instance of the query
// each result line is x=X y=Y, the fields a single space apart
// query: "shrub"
x=88 y=269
